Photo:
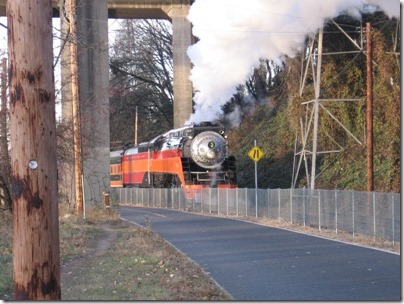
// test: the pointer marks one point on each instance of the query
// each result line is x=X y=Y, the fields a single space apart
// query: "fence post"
x=336 y=211
x=392 y=216
x=353 y=213
x=319 y=210
x=202 y=200
x=268 y=202
x=279 y=204
x=291 y=206
x=227 y=200
x=105 y=199
x=210 y=200
x=374 y=217
x=246 y=202
x=172 y=197
x=218 y=201
x=236 y=200
x=179 y=198
x=304 y=206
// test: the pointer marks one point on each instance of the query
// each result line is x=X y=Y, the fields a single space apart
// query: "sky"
x=237 y=33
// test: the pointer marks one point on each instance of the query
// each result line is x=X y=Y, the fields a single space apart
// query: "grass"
x=76 y=236
x=6 y=257
x=139 y=265
x=133 y=264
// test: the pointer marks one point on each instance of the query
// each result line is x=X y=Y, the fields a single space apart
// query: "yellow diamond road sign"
x=255 y=153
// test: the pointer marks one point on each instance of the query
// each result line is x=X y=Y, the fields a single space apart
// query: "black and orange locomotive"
x=192 y=157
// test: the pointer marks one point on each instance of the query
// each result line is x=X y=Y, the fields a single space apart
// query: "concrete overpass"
x=172 y=10
x=126 y=9
x=92 y=25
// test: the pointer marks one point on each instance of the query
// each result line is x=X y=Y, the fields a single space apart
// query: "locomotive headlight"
x=208 y=149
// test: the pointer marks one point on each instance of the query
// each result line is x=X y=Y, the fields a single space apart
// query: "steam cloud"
x=235 y=34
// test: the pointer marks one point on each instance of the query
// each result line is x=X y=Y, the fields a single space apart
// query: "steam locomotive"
x=192 y=157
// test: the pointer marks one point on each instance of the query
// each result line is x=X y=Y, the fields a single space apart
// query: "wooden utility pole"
x=369 y=107
x=78 y=171
x=36 y=256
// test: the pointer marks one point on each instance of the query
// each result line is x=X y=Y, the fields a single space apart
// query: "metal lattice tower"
x=306 y=144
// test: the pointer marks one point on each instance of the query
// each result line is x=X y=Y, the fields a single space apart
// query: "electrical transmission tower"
x=306 y=144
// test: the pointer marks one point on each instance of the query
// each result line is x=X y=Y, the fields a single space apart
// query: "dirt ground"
x=71 y=270
x=126 y=262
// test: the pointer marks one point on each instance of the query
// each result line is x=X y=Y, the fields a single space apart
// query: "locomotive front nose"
x=208 y=149
x=211 y=154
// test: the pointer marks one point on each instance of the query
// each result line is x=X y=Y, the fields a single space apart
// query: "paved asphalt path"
x=255 y=262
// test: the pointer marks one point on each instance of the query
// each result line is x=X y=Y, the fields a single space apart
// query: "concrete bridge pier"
x=92 y=18
x=92 y=25
x=182 y=39
x=92 y=40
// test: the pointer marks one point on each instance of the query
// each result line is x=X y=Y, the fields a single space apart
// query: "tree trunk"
x=76 y=109
x=5 y=198
x=33 y=151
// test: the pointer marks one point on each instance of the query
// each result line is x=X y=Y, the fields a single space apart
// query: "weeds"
x=6 y=259
x=139 y=265
x=148 y=222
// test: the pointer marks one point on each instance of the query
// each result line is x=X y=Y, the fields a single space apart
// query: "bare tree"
x=36 y=254
x=5 y=198
x=142 y=74
x=76 y=110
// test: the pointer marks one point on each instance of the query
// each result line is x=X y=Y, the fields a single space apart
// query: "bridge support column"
x=92 y=18
x=182 y=39
x=92 y=39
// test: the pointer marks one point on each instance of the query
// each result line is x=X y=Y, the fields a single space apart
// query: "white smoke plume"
x=235 y=34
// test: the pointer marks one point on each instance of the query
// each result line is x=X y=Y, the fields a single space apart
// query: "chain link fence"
x=372 y=214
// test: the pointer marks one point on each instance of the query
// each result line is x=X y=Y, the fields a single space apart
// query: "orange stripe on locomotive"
x=136 y=167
